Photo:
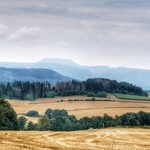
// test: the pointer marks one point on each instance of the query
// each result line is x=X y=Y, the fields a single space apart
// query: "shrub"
x=90 y=94
x=101 y=94
x=32 y=113
x=93 y=99
x=51 y=94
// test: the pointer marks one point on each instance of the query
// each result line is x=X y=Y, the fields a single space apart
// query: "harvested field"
x=103 y=139
x=82 y=108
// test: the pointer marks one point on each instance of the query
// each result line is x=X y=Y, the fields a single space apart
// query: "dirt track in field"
x=102 y=139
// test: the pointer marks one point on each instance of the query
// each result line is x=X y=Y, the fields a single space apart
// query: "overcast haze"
x=90 y=32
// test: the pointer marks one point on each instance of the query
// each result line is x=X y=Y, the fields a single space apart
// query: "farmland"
x=132 y=97
x=94 y=139
x=111 y=138
x=81 y=108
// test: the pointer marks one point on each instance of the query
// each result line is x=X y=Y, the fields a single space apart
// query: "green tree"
x=22 y=121
x=68 y=126
x=90 y=94
x=1 y=92
x=49 y=113
x=32 y=113
x=44 y=123
x=31 y=126
x=8 y=117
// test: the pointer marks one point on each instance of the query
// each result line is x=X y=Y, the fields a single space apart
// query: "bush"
x=101 y=94
x=51 y=94
x=93 y=99
x=29 y=97
x=90 y=94
x=32 y=113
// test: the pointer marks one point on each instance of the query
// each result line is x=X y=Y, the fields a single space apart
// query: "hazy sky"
x=90 y=32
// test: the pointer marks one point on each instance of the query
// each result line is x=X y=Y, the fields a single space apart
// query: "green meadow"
x=132 y=97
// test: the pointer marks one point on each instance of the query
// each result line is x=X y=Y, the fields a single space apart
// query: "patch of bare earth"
x=103 y=139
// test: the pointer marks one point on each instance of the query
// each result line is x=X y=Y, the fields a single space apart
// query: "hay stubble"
x=111 y=138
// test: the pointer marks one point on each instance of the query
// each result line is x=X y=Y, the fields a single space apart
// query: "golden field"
x=98 y=139
x=82 y=108
x=102 y=139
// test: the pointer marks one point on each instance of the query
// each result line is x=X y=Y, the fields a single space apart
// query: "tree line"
x=60 y=120
x=97 y=85
x=33 y=90
x=25 y=90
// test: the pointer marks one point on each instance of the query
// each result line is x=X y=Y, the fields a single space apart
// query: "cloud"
x=3 y=30
x=25 y=32
x=98 y=29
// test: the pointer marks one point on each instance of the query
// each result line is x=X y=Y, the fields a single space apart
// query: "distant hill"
x=67 y=67
x=139 y=77
x=36 y=75
x=60 y=61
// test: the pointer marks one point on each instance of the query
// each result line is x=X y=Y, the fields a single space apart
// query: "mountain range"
x=69 y=68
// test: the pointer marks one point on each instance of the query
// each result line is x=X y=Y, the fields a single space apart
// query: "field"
x=103 y=139
x=98 y=139
x=82 y=108
x=132 y=97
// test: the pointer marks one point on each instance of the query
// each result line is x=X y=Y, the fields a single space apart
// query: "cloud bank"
x=106 y=32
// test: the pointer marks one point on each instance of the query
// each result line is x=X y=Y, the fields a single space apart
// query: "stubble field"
x=82 y=108
x=102 y=139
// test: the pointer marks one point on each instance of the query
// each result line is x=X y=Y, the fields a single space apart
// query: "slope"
x=13 y=74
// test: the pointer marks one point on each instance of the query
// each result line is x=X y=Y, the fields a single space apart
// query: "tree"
x=107 y=121
x=32 y=113
x=1 y=92
x=68 y=126
x=31 y=126
x=49 y=113
x=58 y=123
x=22 y=121
x=44 y=123
x=8 y=117
x=59 y=113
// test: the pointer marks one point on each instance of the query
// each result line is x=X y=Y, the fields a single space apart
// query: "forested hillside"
x=97 y=85
x=36 y=75
x=33 y=90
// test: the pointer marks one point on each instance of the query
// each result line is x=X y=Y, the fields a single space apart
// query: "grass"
x=132 y=97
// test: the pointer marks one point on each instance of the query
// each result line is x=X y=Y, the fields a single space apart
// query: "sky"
x=113 y=33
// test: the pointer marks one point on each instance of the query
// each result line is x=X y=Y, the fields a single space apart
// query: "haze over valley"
x=72 y=70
